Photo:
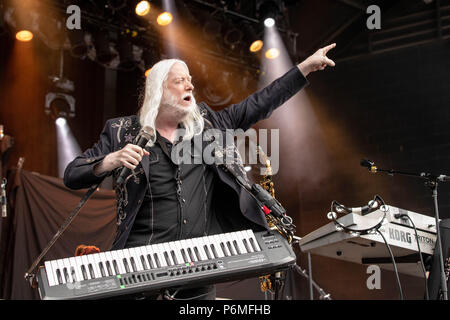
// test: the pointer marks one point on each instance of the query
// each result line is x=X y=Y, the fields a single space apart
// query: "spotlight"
x=164 y=18
x=269 y=22
x=59 y=105
x=256 y=46
x=142 y=8
x=24 y=35
x=61 y=121
x=272 y=53
x=268 y=12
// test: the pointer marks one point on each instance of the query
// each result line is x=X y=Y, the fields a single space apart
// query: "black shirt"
x=177 y=204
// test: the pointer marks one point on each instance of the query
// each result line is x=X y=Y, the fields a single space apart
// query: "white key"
x=150 y=252
x=142 y=254
x=69 y=273
x=216 y=241
x=207 y=243
x=96 y=258
x=177 y=249
x=159 y=249
x=225 y=247
x=50 y=274
x=240 y=242
x=94 y=265
x=199 y=243
x=85 y=263
x=252 y=236
x=126 y=256
x=184 y=246
x=191 y=247
x=136 y=254
x=168 y=249
x=54 y=265
x=102 y=259
x=119 y=260
x=75 y=262
x=245 y=239
x=61 y=269
x=109 y=258
x=229 y=239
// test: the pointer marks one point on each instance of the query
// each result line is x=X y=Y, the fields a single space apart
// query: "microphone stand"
x=432 y=183
x=30 y=275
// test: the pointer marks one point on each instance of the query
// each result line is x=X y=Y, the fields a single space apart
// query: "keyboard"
x=184 y=263
x=371 y=249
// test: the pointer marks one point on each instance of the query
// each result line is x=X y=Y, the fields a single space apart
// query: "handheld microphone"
x=369 y=165
x=144 y=136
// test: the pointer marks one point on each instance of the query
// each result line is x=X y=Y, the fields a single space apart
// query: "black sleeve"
x=80 y=172
x=261 y=104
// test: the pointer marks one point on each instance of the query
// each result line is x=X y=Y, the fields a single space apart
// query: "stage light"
x=268 y=11
x=142 y=8
x=59 y=105
x=269 y=22
x=78 y=45
x=24 y=35
x=60 y=121
x=164 y=18
x=272 y=53
x=256 y=46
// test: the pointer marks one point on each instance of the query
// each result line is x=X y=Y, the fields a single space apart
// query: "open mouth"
x=187 y=98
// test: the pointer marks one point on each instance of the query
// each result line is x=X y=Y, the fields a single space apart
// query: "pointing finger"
x=328 y=48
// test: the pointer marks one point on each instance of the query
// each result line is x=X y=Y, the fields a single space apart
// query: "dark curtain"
x=38 y=206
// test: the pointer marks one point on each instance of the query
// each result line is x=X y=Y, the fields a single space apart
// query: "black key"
x=191 y=255
x=230 y=248
x=166 y=256
x=246 y=245
x=133 y=264
x=208 y=254
x=183 y=253
x=116 y=267
x=158 y=264
x=174 y=257
x=83 y=271
x=58 y=275
x=213 y=249
x=236 y=247
x=91 y=271
x=102 y=269
x=223 y=249
x=197 y=253
x=108 y=267
x=150 y=261
x=66 y=275
x=253 y=245
x=74 y=276
x=144 y=264
x=125 y=264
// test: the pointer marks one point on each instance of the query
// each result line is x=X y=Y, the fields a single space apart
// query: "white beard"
x=170 y=105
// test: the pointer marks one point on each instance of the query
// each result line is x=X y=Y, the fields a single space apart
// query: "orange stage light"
x=24 y=35
x=164 y=18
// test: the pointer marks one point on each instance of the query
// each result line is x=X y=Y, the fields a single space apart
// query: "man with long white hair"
x=163 y=200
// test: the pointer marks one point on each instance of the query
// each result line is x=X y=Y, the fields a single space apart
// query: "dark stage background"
x=388 y=105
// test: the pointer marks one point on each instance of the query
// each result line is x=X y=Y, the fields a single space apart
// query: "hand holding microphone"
x=128 y=157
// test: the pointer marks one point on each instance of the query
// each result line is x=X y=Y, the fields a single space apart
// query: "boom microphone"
x=144 y=136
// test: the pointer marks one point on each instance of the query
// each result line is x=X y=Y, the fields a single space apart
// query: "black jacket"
x=234 y=208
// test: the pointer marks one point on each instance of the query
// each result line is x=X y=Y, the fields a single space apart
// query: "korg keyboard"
x=192 y=262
